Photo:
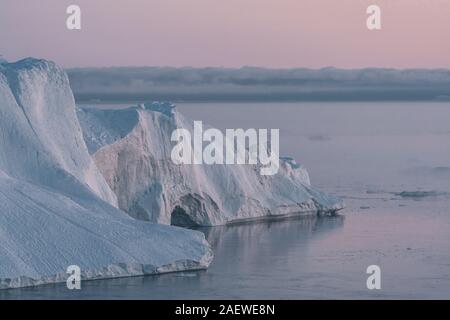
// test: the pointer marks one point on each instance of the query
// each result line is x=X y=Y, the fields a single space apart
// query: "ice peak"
x=38 y=115
x=164 y=107
x=30 y=63
x=291 y=162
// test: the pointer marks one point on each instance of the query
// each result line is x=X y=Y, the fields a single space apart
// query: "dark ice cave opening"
x=180 y=218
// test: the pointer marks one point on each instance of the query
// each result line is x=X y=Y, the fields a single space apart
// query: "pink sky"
x=230 y=33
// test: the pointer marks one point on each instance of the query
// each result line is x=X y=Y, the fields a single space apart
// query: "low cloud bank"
x=257 y=84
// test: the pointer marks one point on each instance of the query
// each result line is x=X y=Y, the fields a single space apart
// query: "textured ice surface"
x=56 y=208
x=149 y=186
x=41 y=139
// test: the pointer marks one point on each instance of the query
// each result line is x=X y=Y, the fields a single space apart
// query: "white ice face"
x=56 y=208
x=135 y=157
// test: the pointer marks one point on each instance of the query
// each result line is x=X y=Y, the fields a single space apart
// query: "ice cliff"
x=41 y=140
x=132 y=149
x=56 y=208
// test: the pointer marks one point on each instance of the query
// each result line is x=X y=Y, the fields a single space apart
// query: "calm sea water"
x=391 y=164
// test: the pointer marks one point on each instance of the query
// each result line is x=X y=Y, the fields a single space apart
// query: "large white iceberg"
x=132 y=148
x=56 y=209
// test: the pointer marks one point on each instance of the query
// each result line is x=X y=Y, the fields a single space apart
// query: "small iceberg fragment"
x=419 y=194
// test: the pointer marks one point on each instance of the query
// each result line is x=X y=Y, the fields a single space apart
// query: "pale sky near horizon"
x=229 y=33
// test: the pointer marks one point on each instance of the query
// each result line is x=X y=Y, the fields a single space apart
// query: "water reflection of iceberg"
x=304 y=225
x=252 y=245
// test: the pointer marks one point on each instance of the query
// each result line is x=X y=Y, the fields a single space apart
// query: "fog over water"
x=251 y=84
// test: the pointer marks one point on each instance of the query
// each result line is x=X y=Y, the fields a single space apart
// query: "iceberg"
x=56 y=207
x=41 y=139
x=132 y=148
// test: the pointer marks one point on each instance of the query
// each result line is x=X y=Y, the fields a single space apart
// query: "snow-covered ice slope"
x=41 y=140
x=43 y=232
x=56 y=208
x=132 y=149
